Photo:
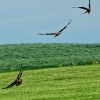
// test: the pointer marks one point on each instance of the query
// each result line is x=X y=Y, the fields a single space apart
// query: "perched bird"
x=56 y=33
x=88 y=10
x=17 y=81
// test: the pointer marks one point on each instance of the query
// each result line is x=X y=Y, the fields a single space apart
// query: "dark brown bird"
x=88 y=10
x=17 y=81
x=56 y=33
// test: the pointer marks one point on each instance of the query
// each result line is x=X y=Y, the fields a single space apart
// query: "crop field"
x=36 y=56
x=62 y=83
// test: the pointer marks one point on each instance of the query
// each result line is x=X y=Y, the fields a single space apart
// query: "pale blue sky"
x=21 y=20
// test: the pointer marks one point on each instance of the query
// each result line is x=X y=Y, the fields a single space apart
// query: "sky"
x=21 y=20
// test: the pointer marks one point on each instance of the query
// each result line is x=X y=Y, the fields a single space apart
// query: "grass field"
x=62 y=83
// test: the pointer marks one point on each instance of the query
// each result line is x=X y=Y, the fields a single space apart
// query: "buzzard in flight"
x=17 y=81
x=56 y=33
x=88 y=10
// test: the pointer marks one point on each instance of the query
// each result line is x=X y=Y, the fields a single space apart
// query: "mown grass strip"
x=63 y=83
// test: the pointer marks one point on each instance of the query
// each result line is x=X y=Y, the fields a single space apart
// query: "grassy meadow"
x=62 y=83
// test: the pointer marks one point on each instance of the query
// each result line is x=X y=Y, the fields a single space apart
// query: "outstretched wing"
x=50 y=33
x=65 y=26
x=46 y=34
x=40 y=34
x=12 y=84
x=20 y=73
x=83 y=8
x=89 y=5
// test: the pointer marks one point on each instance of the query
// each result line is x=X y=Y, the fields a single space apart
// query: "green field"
x=38 y=55
x=62 y=83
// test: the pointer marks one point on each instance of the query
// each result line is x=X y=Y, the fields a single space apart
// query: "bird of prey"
x=17 y=81
x=56 y=33
x=88 y=10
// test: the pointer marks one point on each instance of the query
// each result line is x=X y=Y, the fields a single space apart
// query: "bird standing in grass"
x=17 y=81
x=56 y=33
x=88 y=10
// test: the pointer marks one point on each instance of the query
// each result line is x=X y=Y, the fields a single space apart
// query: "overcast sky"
x=21 y=20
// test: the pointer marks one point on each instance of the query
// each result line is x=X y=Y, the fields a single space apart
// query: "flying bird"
x=56 y=33
x=17 y=81
x=88 y=10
